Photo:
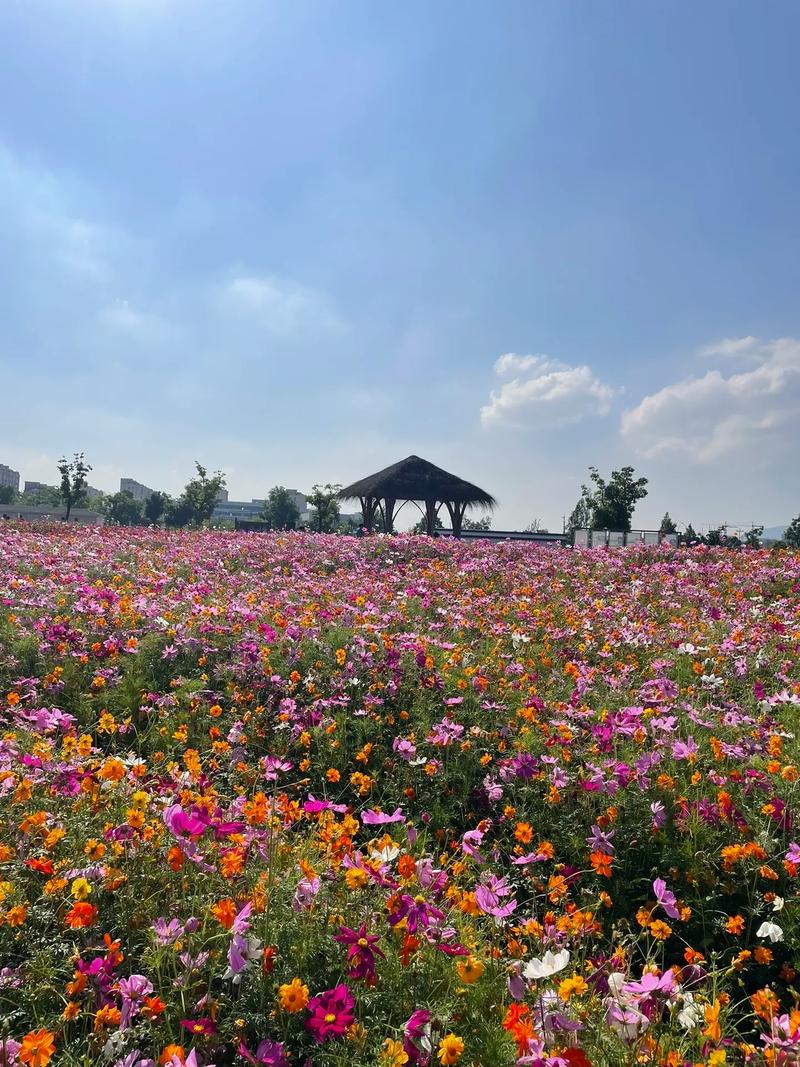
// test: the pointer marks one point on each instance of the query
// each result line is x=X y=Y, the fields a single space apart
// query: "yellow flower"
x=470 y=969
x=80 y=889
x=450 y=1049
x=293 y=996
x=575 y=985
x=393 y=1054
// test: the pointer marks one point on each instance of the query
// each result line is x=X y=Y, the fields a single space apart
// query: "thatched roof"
x=417 y=479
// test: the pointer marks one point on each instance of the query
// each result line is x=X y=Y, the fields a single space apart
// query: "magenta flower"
x=665 y=898
x=201 y=1027
x=375 y=817
x=417 y=912
x=490 y=892
x=417 y=1036
x=331 y=1013
x=361 y=952
x=132 y=990
x=268 y=1054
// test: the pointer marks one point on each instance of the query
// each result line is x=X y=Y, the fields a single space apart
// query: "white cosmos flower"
x=690 y=1014
x=770 y=930
x=777 y=904
x=551 y=963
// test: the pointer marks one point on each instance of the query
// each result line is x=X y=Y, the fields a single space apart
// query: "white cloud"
x=732 y=347
x=282 y=307
x=544 y=391
x=705 y=418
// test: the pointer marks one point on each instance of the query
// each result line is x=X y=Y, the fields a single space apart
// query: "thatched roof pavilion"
x=417 y=480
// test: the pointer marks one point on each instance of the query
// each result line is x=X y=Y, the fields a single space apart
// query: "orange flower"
x=518 y=1023
x=735 y=925
x=175 y=858
x=523 y=833
x=37 y=1048
x=765 y=1004
x=80 y=914
x=224 y=912
x=601 y=863
x=171 y=1052
x=712 y=1030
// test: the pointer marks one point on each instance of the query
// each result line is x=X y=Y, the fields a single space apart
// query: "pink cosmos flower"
x=666 y=898
x=331 y=1013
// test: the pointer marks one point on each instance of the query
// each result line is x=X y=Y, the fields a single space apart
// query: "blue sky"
x=301 y=241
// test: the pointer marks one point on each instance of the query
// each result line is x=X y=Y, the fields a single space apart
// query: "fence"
x=620 y=538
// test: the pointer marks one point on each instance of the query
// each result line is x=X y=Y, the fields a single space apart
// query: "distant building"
x=252 y=509
x=37 y=487
x=136 y=489
x=222 y=496
x=92 y=493
x=9 y=477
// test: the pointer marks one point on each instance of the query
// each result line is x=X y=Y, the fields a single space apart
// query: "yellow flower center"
x=330 y=1018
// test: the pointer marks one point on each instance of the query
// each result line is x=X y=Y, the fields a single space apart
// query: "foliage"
x=791 y=535
x=121 y=509
x=483 y=523
x=535 y=526
x=325 y=502
x=581 y=515
x=8 y=494
x=73 y=481
x=178 y=513
x=47 y=495
x=280 y=510
x=752 y=539
x=667 y=525
x=198 y=499
x=612 y=503
x=156 y=506
x=275 y=798
x=689 y=535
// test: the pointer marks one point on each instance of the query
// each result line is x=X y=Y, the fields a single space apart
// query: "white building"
x=9 y=477
x=136 y=489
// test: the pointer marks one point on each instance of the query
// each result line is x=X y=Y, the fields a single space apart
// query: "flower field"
x=324 y=801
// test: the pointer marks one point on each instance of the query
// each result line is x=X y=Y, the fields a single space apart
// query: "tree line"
x=604 y=504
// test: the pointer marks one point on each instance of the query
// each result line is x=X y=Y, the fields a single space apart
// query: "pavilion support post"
x=431 y=511
x=457 y=511
x=388 y=514
x=369 y=506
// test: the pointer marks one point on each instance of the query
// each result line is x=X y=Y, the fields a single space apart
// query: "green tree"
x=200 y=494
x=535 y=526
x=667 y=525
x=73 y=481
x=421 y=527
x=613 y=501
x=483 y=523
x=280 y=510
x=155 y=506
x=121 y=509
x=8 y=494
x=325 y=502
x=752 y=539
x=791 y=534
x=689 y=535
x=178 y=513
x=581 y=515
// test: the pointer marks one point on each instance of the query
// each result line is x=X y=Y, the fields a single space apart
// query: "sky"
x=300 y=241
